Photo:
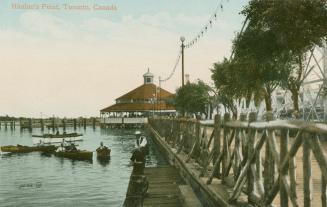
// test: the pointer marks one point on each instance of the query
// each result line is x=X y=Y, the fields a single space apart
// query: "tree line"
x=272 y=51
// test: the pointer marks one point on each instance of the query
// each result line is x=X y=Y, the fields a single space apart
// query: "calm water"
x=37 y=180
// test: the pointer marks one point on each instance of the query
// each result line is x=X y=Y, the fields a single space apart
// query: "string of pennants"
x=207 y=26
x=174 y=69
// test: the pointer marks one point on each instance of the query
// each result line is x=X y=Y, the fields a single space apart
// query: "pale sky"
x=73 y=63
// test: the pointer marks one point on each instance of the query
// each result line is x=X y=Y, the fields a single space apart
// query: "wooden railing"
x=260 y=158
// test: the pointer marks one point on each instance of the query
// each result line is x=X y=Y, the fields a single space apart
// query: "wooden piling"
x=30 y=124
x=94 y=123
x=53 y=124
x=75 y=124
x=42 y=124
x=84 y=123
x=5 y=125
x=64 y=124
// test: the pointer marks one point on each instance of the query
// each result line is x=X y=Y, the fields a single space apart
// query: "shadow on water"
x=104 y=161
x=45 y=154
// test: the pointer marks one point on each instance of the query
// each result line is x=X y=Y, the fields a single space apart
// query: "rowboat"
x=26 y=149
x=103 y=153
x=56 y=138
x=76 y=155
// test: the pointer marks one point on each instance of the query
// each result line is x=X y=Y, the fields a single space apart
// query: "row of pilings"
x=49 y=123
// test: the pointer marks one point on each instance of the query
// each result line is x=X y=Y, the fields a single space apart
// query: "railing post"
x=226 y=154
x=323 y=192
x=283 y=153
x=307 y=180
x=269 y=165
x=217 y=142
x=250 y=152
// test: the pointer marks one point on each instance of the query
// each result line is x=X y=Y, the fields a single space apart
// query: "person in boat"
x=72 y=147
x=101 y=146
x=40 y=143
x=61 y=148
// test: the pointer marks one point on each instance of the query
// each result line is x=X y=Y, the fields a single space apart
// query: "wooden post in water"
x=75 y=124
x=0 y=124
x=5 y=125
x=53 y=124
x=42 y=124
x=94 y=122
x=84 y=123
x=11 y=125
x=30 y=124
x=20 y=123
x=64 y=124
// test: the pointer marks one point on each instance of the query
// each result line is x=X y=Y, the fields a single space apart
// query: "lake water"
x=36 y=180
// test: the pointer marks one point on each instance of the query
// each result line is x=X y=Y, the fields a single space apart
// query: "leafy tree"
x=192 y=97
x=227 y=81
x=262 y=60
x=298 y=26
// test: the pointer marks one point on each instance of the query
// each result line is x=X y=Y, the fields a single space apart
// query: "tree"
x=192 y=97
x=264 y=63
x=298 y=27
x=228 y=83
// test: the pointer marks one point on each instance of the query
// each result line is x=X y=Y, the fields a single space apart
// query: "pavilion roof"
x=137 y=107
x=145 y=91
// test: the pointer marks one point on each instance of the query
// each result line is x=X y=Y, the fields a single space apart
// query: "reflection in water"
x=76 y=183
x=103 y=161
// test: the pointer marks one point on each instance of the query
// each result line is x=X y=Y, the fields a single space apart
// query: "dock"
x=160 y=186
x=163 y=188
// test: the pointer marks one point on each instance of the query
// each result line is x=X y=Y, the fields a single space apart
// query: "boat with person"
x=71 y=152
x=103 y=152
x=26 y=149
x=75 y=155
x=57 y=138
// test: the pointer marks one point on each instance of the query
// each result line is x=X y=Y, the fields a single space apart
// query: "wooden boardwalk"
x=163 y=187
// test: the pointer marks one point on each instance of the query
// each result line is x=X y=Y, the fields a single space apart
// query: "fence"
x=259 y=159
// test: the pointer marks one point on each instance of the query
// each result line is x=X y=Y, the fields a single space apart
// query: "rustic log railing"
x=259 y=159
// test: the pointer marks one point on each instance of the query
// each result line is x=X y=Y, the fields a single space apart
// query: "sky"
x=73 y=62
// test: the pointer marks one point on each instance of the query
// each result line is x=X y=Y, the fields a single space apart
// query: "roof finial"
x=148 y=69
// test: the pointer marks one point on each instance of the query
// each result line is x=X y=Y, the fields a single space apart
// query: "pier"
x=48 y=123
x=246 y=162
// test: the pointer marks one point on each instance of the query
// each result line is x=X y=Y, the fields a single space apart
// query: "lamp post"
x=182 y=46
